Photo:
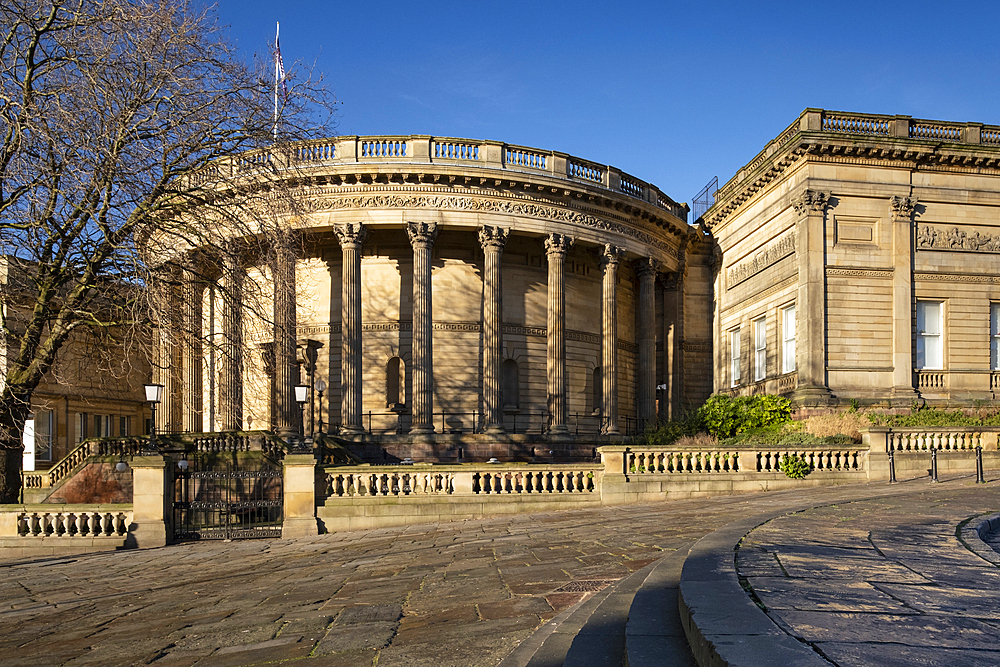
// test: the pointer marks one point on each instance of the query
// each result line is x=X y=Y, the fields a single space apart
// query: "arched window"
x=394 y=382
x=510 y=385
x=596 y=392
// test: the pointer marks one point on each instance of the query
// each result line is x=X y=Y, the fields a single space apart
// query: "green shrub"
x=725 y=416
x=667 y=433
x=794 y=466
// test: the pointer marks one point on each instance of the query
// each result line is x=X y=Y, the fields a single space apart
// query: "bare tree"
x=106 y=109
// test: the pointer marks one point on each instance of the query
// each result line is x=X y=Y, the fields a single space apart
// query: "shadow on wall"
x=96 y=483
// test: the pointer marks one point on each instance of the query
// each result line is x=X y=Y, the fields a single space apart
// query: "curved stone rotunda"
x=458 y=299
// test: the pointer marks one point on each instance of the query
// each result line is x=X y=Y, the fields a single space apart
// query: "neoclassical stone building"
x=455 y=297
x=856 y=258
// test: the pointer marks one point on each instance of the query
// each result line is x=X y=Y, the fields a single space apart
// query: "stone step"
x=654 y=635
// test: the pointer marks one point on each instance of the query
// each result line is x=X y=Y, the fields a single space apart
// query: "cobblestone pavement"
x=463 y=593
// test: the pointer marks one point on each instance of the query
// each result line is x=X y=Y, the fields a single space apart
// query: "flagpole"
x=277 y=55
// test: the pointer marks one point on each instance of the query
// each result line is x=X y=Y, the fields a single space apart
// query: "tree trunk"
x=13 y=414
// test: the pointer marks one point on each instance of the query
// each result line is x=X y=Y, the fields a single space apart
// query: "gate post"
x=299 y=472
x=151 y=498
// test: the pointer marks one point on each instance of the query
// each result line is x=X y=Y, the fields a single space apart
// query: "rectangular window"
x=44 y=427
x=995 y=336
x=124 y=425
x=759 y=349
x=80 y=428
x=734 y=357
x=930 y=342
x=788 y=339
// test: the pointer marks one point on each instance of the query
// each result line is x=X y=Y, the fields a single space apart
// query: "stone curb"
x=972 y=535
x=723 y=625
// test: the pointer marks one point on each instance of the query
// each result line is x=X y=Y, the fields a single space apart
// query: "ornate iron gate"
x=227 y=502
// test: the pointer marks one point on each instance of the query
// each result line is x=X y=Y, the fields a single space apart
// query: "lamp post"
x=154 y=394
x=301 y=397
x=320 y=386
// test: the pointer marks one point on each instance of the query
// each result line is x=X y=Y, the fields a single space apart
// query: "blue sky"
x=671 y=92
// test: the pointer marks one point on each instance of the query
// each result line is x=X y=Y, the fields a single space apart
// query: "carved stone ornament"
x=422 y=233
x=646 y=266
x=611 y=255
x=558 y=244
x=955 y=239
x=351 y=234
x=479 y=204
x=492 y=237
x=902 y=207
x=778 y=250
x=811 y=201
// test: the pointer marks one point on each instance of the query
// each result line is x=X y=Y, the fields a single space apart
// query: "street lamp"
x=320 y=387
x=154 y=394
x=302 y=397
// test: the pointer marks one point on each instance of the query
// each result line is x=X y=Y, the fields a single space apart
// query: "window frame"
x=734 y=357
x=788 y=342
x=759 y=329
x=925 y=336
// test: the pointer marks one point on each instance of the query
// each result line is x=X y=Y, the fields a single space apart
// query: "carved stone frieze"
x=930 y=237
x=778 y=250
x=885 y=274
x=486 y=205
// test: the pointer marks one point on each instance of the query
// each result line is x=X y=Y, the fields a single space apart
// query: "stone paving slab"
x=464 y=593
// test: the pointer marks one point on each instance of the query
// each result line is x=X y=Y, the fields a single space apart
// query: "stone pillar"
x=646 y=269
x=169 y=355
x=556 y=247
x=231 y=362
x=192 y=419
x=299 y=490
x=492 y=240
x=352 y=237
x=673 y=338
x=422 y=236
x=285 y=367
x=610 y=258
x=151 y=498
x=810 y=307
x=902 y=296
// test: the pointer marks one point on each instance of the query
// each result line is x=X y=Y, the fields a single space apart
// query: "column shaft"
x=192 y=421
x=492 y=240
x=352 y=238
x=285 y=367
x=810 y=342
x=646 y=377
x=902 y=296
x=231 y=362
x=610 y=258
x=556 y=247
x=422 y=236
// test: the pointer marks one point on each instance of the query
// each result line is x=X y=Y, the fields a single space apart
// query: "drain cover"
x=586 y=586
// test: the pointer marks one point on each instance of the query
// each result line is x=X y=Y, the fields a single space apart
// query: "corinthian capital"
x=811 y=201
x=647 y=266
x=611 y=255
x=491 y=237
x=422 y=233
x=902 y=208
x=558 y=244
x=351 y=235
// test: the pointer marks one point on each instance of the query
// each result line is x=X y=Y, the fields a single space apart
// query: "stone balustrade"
x=462 y=479
x=909 y=440
x=69 y=521
x=421 y=149
x=648 y=460
x=860 y=124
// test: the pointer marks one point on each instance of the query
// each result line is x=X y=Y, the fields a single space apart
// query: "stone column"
x=610 y=257
x=810 y=308
x=168 y=355
x=352 y=237
x=422 y=236
x=192 y=419
x=285 y=367
x=646 y=269
x=556 y=247
x=673 y=337
x=492 y=240
x=902 y=296
x=231 y=363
